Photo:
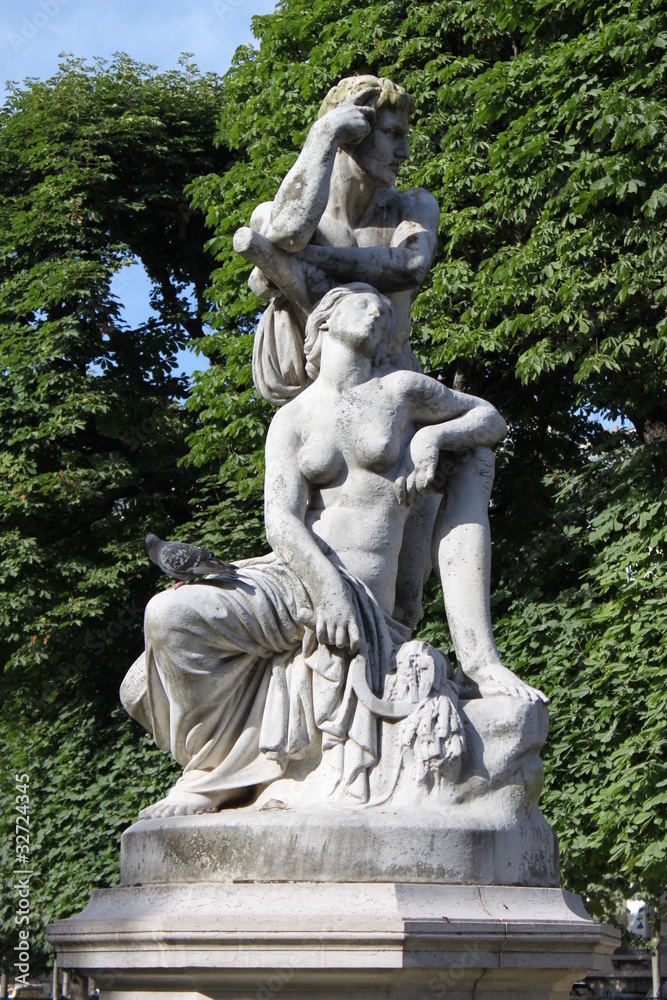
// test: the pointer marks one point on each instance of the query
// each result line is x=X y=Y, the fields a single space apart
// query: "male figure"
x=337 y=218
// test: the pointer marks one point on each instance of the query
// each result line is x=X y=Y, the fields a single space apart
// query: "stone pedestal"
x=437 y=893
x=329 y=845
x=316 y=940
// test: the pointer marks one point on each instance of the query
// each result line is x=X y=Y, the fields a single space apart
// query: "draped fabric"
x=235 y=688
x=278 y=357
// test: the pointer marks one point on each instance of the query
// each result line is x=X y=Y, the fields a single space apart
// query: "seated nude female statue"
x=337 y=218
x=238 y=679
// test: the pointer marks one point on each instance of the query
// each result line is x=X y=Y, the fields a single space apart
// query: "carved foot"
x=181 y=803
x=495 y=679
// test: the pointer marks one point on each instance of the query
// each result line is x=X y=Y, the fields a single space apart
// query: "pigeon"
x=186 y=562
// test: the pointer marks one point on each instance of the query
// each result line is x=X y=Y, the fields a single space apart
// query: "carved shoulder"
x=421 y=207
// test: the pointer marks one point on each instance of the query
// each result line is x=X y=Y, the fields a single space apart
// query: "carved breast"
x=377 y=444
x=319 y=459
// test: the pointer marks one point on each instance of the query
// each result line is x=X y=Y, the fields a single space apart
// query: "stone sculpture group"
x=297 y=682
x=380 y=836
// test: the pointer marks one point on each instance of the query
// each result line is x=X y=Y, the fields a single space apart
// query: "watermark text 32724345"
x=21 y=880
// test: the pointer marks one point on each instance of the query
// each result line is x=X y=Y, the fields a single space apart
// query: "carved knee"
x=162 y=614
x=134 y=694
x=472 y=479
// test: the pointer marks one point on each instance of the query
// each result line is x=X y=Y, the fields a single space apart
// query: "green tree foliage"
x=93 y=165
x=585 y=616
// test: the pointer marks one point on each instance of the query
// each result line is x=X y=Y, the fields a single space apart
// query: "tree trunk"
x=78 y=985
x=651 y=427
x=655 y=953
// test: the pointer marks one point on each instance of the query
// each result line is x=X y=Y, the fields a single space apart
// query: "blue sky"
x=34 y=32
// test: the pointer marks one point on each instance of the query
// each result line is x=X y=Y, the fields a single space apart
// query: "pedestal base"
x=315 y=940
x=325 y=845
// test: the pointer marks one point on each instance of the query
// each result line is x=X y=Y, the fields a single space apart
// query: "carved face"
x=361 y=320
x=383 y=151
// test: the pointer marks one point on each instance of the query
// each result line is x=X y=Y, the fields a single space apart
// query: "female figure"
x=239 y=680
x=347 y=457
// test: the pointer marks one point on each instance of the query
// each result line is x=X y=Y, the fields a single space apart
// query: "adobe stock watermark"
x=272 y=985
x=139 y=434
x=22 y=873
x=464 y=969
x=31 y=25
x=269 y=986
x=225 y=7
x=449 y=979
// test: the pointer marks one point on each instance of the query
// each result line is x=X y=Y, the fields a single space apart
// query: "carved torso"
x=362 y=428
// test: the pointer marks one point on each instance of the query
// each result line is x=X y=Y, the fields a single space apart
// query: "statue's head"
x=356 y=314
x=382 y=152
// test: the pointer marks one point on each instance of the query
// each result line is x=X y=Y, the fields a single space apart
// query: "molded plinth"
x=388 y=941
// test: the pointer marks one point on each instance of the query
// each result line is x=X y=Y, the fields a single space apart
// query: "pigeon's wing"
x=205 y=555
x=178 y=557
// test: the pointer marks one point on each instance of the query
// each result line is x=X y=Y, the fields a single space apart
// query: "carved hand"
x=351 y=121
x=423 y=455
x=334 y=620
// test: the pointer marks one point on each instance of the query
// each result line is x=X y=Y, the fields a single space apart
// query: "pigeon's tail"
x=224 y=571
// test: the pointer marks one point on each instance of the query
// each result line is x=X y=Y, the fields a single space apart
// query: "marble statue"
x=306 y=654
x=337 y=218
x=373 y=827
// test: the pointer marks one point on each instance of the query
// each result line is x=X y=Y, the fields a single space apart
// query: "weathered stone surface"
x=328 y=846
x=330 y=941
x=486 y=829
x=389 y=843
x=311 y=646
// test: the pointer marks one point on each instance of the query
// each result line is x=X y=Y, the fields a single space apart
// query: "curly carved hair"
x=386 y=92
